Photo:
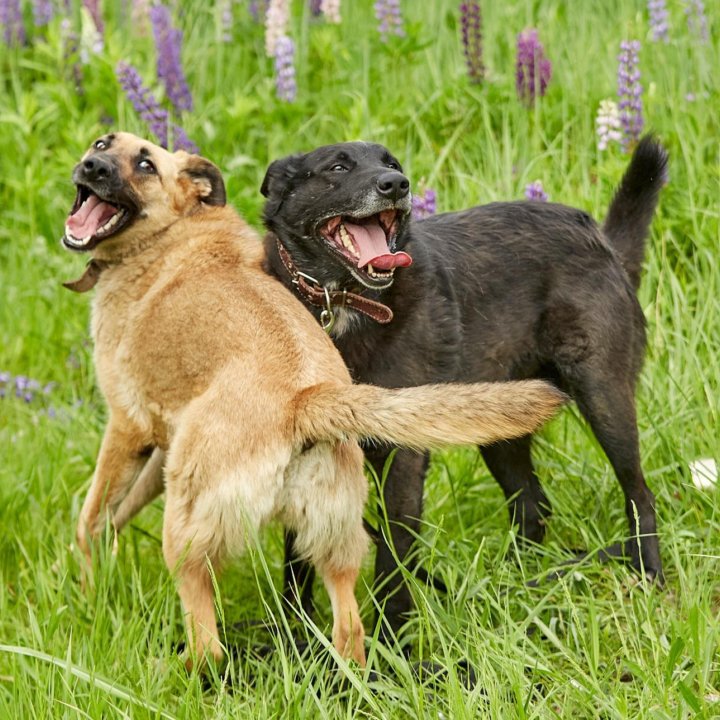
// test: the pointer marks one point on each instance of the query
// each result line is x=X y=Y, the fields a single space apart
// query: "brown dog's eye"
x=146 y=166
x=100 y=145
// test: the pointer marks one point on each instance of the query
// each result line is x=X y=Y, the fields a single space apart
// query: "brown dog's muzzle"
x=101 y=208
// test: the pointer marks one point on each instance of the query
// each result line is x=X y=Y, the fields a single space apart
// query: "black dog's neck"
x=290 y=270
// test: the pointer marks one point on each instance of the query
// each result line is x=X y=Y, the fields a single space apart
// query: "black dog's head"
x=340 y=210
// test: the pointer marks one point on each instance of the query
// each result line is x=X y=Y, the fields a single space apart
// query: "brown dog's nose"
x=393 y=185
x=95 y=168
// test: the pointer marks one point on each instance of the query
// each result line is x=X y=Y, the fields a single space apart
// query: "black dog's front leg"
x=298 y=576
x=402 y=496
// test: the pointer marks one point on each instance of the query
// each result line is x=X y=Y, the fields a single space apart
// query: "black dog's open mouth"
x=93 y=219
x=367 y=245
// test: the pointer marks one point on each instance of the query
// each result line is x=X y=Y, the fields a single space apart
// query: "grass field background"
x=593 y=644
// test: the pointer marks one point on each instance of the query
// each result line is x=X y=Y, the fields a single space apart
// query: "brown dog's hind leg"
x=187 y=556
x=348 y=634
x=324 y=502
x=196 y=594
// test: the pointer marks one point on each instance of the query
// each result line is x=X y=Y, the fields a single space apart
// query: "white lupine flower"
x=276 y=23
x=608 y=124
x=331 y=10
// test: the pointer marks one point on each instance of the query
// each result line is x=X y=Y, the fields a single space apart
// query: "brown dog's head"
x=129 y=189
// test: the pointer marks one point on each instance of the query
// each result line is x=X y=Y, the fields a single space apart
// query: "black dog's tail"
x=631 y=210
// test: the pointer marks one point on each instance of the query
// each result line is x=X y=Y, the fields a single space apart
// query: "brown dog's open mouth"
x=93 y=219
x=367 y=244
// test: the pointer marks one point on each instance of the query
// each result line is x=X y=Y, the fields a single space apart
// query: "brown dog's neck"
x=150 y=253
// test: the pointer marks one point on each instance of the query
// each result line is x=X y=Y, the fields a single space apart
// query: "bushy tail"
x=427 y=416
x=631 y=210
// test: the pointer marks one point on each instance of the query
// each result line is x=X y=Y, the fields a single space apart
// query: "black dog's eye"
x=100 y=145
x=146 y=166
x=393 y=165
x=338 y=168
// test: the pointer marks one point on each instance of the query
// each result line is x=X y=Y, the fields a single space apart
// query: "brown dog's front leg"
x=119 y=463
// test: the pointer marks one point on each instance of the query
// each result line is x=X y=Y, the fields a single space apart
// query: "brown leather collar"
x=317 y=295
x=88 y=280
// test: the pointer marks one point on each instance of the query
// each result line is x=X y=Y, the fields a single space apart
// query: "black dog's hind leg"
x=402 y=498
x=511 y=465
x=609 y=407
x=298 y=576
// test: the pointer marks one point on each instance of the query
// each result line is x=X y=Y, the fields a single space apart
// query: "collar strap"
x=88 y=280
x=315 y=294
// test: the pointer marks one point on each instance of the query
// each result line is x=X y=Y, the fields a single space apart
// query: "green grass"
x=593 y=644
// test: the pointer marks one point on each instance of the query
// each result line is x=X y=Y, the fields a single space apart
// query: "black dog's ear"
x=207 y=179
x=280 y=173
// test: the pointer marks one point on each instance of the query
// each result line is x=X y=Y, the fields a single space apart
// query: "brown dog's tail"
x=631 y=210
x=427 y=416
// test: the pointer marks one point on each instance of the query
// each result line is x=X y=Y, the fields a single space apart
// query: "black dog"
x=506 y=290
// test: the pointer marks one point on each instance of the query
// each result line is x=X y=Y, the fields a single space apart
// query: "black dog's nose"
x=96 y=168
x=393 y=185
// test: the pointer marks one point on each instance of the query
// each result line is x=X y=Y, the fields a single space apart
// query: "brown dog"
x=200 y=354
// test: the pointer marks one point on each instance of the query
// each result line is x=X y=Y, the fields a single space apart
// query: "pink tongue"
x=372 y=244
x=92 y=215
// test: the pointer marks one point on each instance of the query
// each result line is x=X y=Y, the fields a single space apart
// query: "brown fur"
x=202 y=355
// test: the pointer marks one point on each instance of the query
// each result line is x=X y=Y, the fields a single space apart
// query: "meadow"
x=593 y=643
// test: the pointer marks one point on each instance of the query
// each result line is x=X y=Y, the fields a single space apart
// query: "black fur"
x=500 y=291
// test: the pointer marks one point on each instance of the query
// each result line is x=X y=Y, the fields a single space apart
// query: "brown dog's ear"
x=207 y=179
x=279 y=174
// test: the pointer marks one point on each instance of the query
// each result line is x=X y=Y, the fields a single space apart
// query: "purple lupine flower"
x=226 y=19
x=471 y=30
x=11 y=21
x=276 y=23
x=532 y=70
x=5 y=378
x=424 y=204
x=630 y=92
x=71 y=53
x=25 y=388
x=696 y=19
x=168 y=41
x=331 y=10
x=258 y=9
x=285 y=69
x=607 y=124
x=43 y=12
x=535 y=193
x=659 y=20
x=181 y=141
x=143 y=101
x=145 y=104
x=390 y=19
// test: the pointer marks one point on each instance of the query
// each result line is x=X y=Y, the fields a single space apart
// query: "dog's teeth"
x=347 y=241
